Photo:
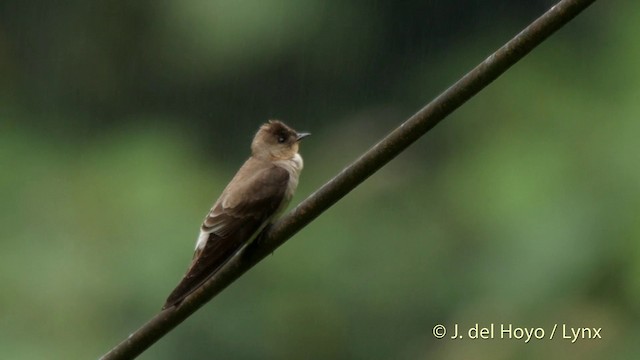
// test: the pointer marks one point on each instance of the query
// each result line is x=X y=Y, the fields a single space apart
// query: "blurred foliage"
x=120 y=122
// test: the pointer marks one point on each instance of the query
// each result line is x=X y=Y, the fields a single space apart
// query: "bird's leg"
x=263 y=233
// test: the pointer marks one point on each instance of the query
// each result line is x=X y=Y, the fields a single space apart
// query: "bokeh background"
x=121 y=121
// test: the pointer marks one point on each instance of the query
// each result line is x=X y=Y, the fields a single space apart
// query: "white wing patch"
x=202 y=240
x=214 y=224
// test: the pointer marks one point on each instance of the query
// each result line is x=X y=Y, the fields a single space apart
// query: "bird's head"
x=276 y=141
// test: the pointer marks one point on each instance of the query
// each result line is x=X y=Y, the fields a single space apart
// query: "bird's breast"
x=294 y=167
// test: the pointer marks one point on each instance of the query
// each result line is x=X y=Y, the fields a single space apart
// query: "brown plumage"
x=258 y=192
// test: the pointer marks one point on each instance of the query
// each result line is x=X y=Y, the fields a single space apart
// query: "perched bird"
x=256 y=195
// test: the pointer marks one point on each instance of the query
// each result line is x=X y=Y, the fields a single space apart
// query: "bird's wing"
x=234 y=220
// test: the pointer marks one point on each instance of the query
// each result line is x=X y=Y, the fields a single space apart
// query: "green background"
x=120 y=123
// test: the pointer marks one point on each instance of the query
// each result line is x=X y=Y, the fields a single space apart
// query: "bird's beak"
x=301 y=136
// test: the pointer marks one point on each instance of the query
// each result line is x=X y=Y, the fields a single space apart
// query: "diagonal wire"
x=349 y=178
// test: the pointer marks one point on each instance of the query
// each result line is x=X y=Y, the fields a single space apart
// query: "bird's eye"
x=281 y=139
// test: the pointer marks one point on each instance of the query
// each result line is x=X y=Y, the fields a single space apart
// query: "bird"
x=254 y=198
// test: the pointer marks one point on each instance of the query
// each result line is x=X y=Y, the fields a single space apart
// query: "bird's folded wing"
x=235 y=219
